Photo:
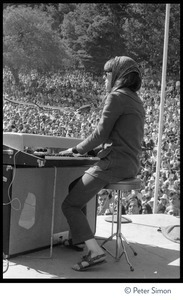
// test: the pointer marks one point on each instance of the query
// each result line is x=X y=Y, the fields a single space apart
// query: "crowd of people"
x=135 y=203
x=66 y=93
x=70 y=104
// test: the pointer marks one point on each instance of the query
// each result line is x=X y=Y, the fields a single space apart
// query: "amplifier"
x=27 y=219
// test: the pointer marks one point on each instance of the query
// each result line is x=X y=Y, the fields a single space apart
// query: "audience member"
x=162 y=204
x=146 y=208
x=174 y=204
x=105 y=203
x=134 y=206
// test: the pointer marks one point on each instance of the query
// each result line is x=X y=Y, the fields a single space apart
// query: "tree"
x=57 y=12
x=94 y=33
x=90 y=34
x=144 y=34
x=29 y=41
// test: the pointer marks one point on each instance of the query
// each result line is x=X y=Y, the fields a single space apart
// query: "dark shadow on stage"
x=151 y=262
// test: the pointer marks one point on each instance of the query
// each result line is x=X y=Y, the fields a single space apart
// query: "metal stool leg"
x=112 y=227
x=119 y=237
x=118 y=233
x=112 y=234
x=133 y=250
x=126 y=255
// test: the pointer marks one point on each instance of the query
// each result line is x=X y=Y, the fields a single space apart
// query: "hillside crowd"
x=70 y=105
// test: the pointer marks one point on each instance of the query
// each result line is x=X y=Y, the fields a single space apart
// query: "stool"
x=121 y=187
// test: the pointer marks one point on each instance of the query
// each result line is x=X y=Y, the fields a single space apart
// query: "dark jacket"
x=120 y=131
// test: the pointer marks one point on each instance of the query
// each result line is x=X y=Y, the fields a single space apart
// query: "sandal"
x=88 y=261
x=68 y=243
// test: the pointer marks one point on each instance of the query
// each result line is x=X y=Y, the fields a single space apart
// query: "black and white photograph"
x=91 y=146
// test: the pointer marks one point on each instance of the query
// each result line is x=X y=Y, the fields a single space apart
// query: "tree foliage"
x=98 y=31
x=94 y=34
x=29 y=41
x=44 y=34
x=144 y=35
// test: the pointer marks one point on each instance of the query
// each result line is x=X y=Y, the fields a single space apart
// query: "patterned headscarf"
x=123 y=65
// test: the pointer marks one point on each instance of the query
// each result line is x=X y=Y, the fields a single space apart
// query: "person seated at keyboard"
x=117 y=142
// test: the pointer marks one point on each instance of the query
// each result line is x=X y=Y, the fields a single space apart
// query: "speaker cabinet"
x=27 y=220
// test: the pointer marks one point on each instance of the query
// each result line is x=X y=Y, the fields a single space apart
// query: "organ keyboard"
x=26 y=141
x=32 y=150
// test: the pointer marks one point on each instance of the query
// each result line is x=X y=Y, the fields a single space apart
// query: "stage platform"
x=157 y=257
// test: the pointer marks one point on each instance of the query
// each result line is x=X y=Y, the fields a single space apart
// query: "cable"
x=53 y=211
x=53 y=205
x=6 y=263
x=14 y=173
x=5 y=260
